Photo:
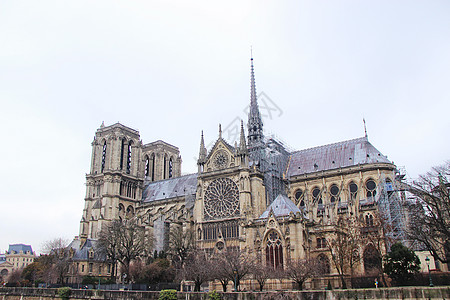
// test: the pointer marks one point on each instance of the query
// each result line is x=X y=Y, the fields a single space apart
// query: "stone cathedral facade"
x=254 y=196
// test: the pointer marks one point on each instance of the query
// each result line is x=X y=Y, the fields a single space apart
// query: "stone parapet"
x=10 y=293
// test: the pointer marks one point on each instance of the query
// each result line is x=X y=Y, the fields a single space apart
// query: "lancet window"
x=103 y=157
x=227 y=229
x=371 y=188
x=334 y=192
x=353 y=188
x=129 y=157
x=274 y=250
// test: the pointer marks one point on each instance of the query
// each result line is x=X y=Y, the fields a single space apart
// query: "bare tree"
x=234 y=265
x=430 y=212
x=181 y=244
x=343 y=246
x=197 y=268
x=124 y=242
x=376 y=237
x=57 y=260
x=262 y=273
x=108 y=243
x=219 y=272
x=300 y=270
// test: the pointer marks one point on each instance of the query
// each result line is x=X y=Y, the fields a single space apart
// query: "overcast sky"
x=173 y=68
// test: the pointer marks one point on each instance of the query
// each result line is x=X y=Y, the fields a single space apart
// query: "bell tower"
x=114 y=183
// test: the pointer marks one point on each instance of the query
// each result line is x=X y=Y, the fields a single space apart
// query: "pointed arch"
x=170 y=167
x=324 y=263
x=103 y=156
x=372 y=260
x=122 y=150
x=147 y=166
x=153 y=166
x=165 y=167
x=274 y=250
x=130 y=144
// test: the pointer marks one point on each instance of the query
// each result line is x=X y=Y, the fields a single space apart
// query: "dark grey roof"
x=16 y=248
x=281 y=206
x=170 y=188
x=334 y=156
x=81 y=251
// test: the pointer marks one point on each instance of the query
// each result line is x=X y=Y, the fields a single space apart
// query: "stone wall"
x=382 y=293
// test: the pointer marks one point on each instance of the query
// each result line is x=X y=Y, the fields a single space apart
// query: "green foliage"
x=64 y=292
x=214 y=295
x=168 y=295
x=94 y=280
x=401 y=264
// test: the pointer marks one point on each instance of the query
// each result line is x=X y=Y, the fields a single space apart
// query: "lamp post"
x=235 y=271
x=427 y=259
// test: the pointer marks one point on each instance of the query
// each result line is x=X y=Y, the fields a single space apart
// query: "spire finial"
x=365 y=129
x=242 y=143
x=255 y=124
x=202 y=152
x=220 y=130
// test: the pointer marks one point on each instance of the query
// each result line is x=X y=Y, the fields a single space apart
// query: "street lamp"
x=235 y=271
x=427 y=260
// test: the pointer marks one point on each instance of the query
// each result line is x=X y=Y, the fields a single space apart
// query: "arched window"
x=372 y=260
x=165 y=167
x=121 y=211
x=323 y=264
x=129 y=157
x=302 y=204
x=334 y=191
x=371 y=188
x=122 y=150
x=389 y=187
x=369 y=220
x=130 y=211
x=147 y=166
x=298 y=195
x=353 y=188
x=274 y=250
x=170 y=168
x=103 y=156
x=317 y=195
x=153 y=166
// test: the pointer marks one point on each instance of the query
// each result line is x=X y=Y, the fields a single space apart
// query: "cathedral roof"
x=170 y=188
x=334 y=156
x=281 y=206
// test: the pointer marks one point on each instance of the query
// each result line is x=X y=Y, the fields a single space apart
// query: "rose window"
x=221 y=199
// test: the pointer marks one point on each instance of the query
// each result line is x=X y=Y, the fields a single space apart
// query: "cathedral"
x=254 y=196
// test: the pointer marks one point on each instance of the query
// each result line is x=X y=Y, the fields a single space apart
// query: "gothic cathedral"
x=253 y=196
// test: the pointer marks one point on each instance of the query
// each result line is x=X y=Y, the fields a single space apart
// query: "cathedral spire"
x=242 y=142
x=202 y=152
x=255 y=124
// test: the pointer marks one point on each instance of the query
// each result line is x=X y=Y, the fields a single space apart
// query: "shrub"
x=214 y=296
x=64 y=292
x=168 y=295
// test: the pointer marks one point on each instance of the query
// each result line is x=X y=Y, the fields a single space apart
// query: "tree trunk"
x=344 y=285
x=224 y=286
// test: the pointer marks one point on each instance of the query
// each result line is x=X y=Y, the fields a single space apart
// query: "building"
x=18 y=256
x=255 y=196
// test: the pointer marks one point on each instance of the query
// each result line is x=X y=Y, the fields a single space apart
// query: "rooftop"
x=334 y=156
x=170 y=188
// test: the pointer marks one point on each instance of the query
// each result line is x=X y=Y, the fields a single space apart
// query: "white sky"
x=173 y=68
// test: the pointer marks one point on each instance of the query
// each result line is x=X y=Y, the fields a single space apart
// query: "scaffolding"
x=274 y=161
x=391 y=197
